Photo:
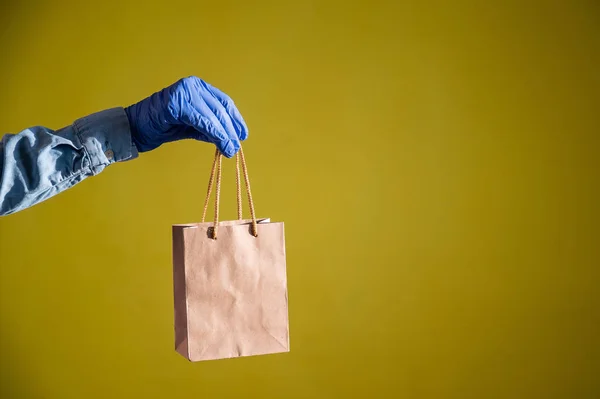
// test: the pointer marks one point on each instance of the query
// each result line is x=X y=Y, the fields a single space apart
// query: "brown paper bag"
x=230 y=283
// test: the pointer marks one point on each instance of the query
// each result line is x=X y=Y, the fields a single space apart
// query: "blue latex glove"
x=188 y=109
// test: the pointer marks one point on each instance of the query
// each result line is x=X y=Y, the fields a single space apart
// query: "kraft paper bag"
x=230 y=285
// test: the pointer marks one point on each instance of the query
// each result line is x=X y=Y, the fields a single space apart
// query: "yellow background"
x=435 y=163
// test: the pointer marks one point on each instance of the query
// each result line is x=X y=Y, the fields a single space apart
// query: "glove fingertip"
x=229 y=147
x=244 y=133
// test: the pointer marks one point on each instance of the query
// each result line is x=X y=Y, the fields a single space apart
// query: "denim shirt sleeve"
x=39 y=163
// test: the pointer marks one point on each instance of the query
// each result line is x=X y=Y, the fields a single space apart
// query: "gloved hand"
x=188 y=109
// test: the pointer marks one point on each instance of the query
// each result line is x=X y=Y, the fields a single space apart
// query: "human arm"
x=38 y=163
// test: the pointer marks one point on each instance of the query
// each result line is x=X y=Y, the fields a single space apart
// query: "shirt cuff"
x=106 y=137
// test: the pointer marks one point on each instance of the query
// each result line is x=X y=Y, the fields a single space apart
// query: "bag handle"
x=215 y=174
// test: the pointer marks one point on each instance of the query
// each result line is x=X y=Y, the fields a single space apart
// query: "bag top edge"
x=208 y=224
